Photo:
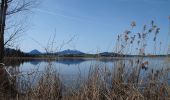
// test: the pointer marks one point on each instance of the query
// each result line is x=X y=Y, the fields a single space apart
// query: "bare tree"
x=9 y=8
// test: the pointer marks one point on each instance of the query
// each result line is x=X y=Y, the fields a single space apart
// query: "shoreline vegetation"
x=83 y=57
x=12 y=53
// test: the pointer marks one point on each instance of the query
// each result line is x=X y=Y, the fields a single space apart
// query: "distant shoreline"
x=57 y=58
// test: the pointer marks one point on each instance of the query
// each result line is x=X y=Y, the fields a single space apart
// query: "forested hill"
x=14 y=53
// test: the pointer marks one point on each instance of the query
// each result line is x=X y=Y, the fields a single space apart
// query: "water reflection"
x=71 y=61
x=71 y=69
x=66 y=61
x=36 y=62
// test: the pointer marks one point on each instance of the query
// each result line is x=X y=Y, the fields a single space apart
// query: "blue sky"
x=94 y=24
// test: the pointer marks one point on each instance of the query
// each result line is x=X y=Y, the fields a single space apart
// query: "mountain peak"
x=69 y=51
x=35 y=52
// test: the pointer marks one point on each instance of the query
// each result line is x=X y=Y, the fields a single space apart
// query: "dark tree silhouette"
x=8 y=8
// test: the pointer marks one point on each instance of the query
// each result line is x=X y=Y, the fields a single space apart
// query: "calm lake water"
x=71 y=69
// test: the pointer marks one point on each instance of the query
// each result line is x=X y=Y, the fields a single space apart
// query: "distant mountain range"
x=64 y=52
x=69 y=52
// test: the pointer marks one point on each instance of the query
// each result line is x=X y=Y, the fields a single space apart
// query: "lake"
x=70 y=69
x=75 y=73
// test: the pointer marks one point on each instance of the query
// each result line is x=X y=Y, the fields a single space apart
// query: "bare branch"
x=19 y=6
x=12 y=36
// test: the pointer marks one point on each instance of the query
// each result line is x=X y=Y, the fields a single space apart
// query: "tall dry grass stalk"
x=104 y=84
